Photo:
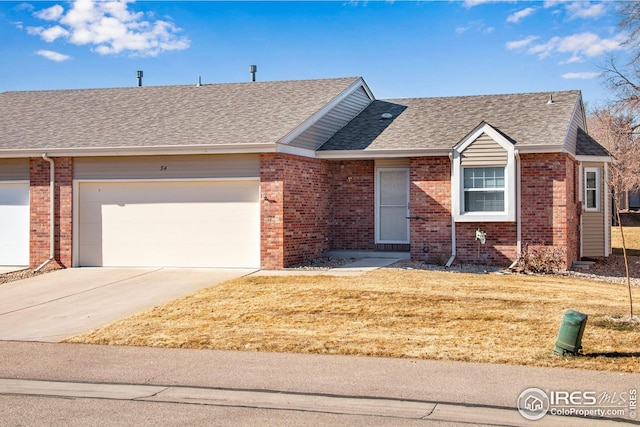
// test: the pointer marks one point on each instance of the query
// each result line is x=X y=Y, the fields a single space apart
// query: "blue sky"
x=401 y=48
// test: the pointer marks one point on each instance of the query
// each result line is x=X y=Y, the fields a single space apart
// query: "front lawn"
x=394 y=313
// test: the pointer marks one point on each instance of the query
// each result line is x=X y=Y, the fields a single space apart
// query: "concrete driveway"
x=63 y=303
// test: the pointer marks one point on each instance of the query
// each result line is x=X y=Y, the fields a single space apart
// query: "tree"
x=615 y=130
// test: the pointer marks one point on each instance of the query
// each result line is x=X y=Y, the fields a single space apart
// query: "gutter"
x=518 y=210
x=52 y=234
x=453 y=221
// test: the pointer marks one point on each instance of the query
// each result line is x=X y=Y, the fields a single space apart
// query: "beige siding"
x=14 y=169
x=484 y=151
x=392 y=163
x=577 y=121
x=593 y=232
x=168 y=167
x=333 y=121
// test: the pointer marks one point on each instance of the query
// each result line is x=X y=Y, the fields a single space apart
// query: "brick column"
x=430 y=201
x=40 y=212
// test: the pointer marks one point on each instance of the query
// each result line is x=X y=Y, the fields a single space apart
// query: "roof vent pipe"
x=252 y=71
x=199 y=82
x=550 y=101
x=139 y=77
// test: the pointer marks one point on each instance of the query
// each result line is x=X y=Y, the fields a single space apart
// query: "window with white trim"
x=592 y=189
x=483 y=189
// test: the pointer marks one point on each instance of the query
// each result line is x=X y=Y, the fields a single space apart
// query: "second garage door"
x=14 y=223
x=169 y=224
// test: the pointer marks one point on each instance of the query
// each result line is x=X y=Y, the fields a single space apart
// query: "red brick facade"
x=550 y=203
x=309 y=206
x=295 y=209
x=40 y=211
x=430 y=206
x=353 y=204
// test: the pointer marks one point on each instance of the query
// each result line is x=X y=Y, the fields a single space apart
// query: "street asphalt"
x=44 y=383
x=148 y=386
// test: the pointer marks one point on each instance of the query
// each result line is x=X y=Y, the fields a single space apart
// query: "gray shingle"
x=440 y=123
x=162 y=116
x=587 y=146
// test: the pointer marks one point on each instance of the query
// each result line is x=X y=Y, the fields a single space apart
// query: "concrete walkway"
x=283 y=389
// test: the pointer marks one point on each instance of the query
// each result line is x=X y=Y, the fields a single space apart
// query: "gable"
x=483 y=151
x=320 y=132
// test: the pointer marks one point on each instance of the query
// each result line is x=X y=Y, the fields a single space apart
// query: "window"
x=592 y=189
x=484 y=189
x=484 y=177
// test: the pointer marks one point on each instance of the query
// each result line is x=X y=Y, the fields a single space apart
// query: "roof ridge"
x=485 y=95
x=204 y=84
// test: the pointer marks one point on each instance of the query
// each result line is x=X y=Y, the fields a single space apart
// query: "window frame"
x=597 y=189
x=466 y=190
x=457 y=179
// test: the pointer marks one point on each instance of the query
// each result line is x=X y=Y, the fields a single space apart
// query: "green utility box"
x=570 y=335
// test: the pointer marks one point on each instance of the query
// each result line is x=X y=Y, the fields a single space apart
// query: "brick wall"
x=353 y=204
x=549 y=203
x=40 y=211
x=430 y=205
x=296 y=215
x=500 y=247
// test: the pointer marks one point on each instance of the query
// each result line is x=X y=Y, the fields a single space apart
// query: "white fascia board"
x=325 y=110
x=297 y=151
x=381 y=154
x=595 y=159
x=142 y=151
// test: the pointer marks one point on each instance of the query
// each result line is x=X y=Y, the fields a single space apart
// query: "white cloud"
x=581 y=9
x=110 y=28
x=54 y=56
x=53 y=33
x=582 y=75
x=517 y=16
x=519 y=44
x=478 y=26
x=580 y=45
x=52 y=13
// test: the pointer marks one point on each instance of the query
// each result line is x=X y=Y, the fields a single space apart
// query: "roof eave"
x=381 y=153
x=141 y=151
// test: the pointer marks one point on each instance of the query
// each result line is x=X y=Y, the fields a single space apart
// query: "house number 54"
x=163 y=168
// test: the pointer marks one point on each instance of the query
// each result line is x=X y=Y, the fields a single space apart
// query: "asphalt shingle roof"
x=587 y=146
x=441 y=123
x=161 y=116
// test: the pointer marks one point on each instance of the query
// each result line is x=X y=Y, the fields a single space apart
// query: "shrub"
x=541 y=259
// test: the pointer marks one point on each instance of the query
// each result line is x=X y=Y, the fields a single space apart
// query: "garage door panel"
x=188 y=224
x=14 y=223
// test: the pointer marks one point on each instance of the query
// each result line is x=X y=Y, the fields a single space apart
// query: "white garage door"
x=171 y=224
x=14 y=223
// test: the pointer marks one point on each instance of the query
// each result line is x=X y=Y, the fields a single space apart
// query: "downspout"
x=453 y=220
x=52 y=234
x=518 y=210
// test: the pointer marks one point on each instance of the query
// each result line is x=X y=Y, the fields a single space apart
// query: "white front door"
x=392 y=205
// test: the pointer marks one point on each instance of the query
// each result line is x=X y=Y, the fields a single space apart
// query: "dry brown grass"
x=631 y=239
x=393 y=313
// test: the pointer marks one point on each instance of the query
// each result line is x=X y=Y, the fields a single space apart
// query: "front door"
x=392 y=205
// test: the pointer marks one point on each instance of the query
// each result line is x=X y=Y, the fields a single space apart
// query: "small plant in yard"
x=541 y=259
